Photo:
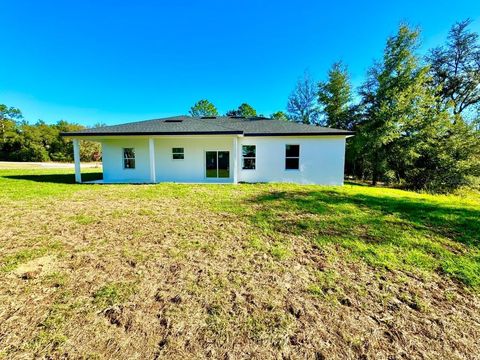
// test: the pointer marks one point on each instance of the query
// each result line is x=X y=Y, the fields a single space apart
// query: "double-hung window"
x=249 y=153
x=129 y=158
x=178 y=153
x=292 y=157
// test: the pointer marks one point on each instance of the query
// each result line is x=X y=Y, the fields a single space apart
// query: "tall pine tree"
x=334 y=96
x=400 y=111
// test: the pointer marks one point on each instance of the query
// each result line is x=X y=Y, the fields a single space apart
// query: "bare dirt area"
x=202 y=271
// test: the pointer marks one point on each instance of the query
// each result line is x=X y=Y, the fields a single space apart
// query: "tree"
x=8 y=118
x=203 y=108
x=244 y=110
x=334 y=96
x=21 y=141
x=449 y=158
x=400 y=111
x=302 y=102
x=279 y=115
x=9 y=129
x=455 y=68
x=62 y=150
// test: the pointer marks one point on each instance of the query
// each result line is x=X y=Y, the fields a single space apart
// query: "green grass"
x=178 y=270
x=113 y=293
x=21 y=184
x=386 y=228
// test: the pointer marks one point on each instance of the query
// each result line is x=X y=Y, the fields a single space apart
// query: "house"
x=217 y=150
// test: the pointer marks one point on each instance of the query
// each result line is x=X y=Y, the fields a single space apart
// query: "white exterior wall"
x=112 y=160
x=321 y=159
x=192 y=167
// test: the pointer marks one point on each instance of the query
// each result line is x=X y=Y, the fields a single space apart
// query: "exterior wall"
x=321 y=160
x=192 y=167
x=112 y=160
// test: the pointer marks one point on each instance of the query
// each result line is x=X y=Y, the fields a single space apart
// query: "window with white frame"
x=178 y=153
x=249 y=153
x=292 y=157
x=129 y=158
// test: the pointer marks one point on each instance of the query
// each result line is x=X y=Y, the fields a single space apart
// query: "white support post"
x=235 y=159
x=76 y=158
x=151 y=147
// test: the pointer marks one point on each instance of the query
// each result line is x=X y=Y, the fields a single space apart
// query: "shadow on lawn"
x=382 y=218
x=56 y=178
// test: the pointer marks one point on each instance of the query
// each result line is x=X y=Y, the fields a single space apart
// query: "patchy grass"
x=11 y=261
x=113 y=293
x=224 y=271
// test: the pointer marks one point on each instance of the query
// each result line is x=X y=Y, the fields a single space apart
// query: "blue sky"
x=117 y=61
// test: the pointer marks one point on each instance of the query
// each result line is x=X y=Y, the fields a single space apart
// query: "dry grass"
x=205 y=271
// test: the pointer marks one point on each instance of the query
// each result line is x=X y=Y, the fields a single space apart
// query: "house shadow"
x=338 y=212
x=55 y=178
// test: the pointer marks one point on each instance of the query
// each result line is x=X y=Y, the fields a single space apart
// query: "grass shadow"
x=389 y=231
x=458 y=223
x=56 y=178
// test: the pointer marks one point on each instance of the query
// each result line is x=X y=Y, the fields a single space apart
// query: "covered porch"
x=141 y=159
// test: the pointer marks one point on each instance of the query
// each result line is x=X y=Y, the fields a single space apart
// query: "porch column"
x=76 y=159
x=235 y=159
x=151 y=148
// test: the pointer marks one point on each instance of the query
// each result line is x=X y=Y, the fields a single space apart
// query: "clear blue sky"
x=91 y=61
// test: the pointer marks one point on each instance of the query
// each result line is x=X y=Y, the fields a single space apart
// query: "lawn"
x=234 y=271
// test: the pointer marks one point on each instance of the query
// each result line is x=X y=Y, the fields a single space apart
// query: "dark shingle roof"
x=186 y=125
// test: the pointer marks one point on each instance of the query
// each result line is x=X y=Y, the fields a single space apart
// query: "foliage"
x=335 y=96
x=8 y=116
x=403 y=136
x=21 y=141
x=203 y=108
x=302 y=102
x=279 y=115
x=449 y=159
x=244 y=110
x=455 y=68
x=397 y=107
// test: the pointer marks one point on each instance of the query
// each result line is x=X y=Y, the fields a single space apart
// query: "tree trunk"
x=375 y=168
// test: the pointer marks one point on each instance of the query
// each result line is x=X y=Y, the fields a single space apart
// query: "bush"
x=34 y=152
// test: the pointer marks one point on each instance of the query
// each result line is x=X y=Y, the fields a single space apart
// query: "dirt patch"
x=36 y=267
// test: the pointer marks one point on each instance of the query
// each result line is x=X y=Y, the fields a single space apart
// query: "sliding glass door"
x=217 y=164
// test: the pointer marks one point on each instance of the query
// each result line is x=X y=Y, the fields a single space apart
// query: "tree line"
x=416 y=118
x=22 y=141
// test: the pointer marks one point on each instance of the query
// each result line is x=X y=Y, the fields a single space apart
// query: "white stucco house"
x=217 y=150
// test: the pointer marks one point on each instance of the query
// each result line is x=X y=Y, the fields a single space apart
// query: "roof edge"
x=331 y=133
x=136 y=133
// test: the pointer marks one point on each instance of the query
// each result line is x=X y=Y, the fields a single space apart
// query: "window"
x=178 y=153
x=129 y=158
x=248 y=157
x=292 y=157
